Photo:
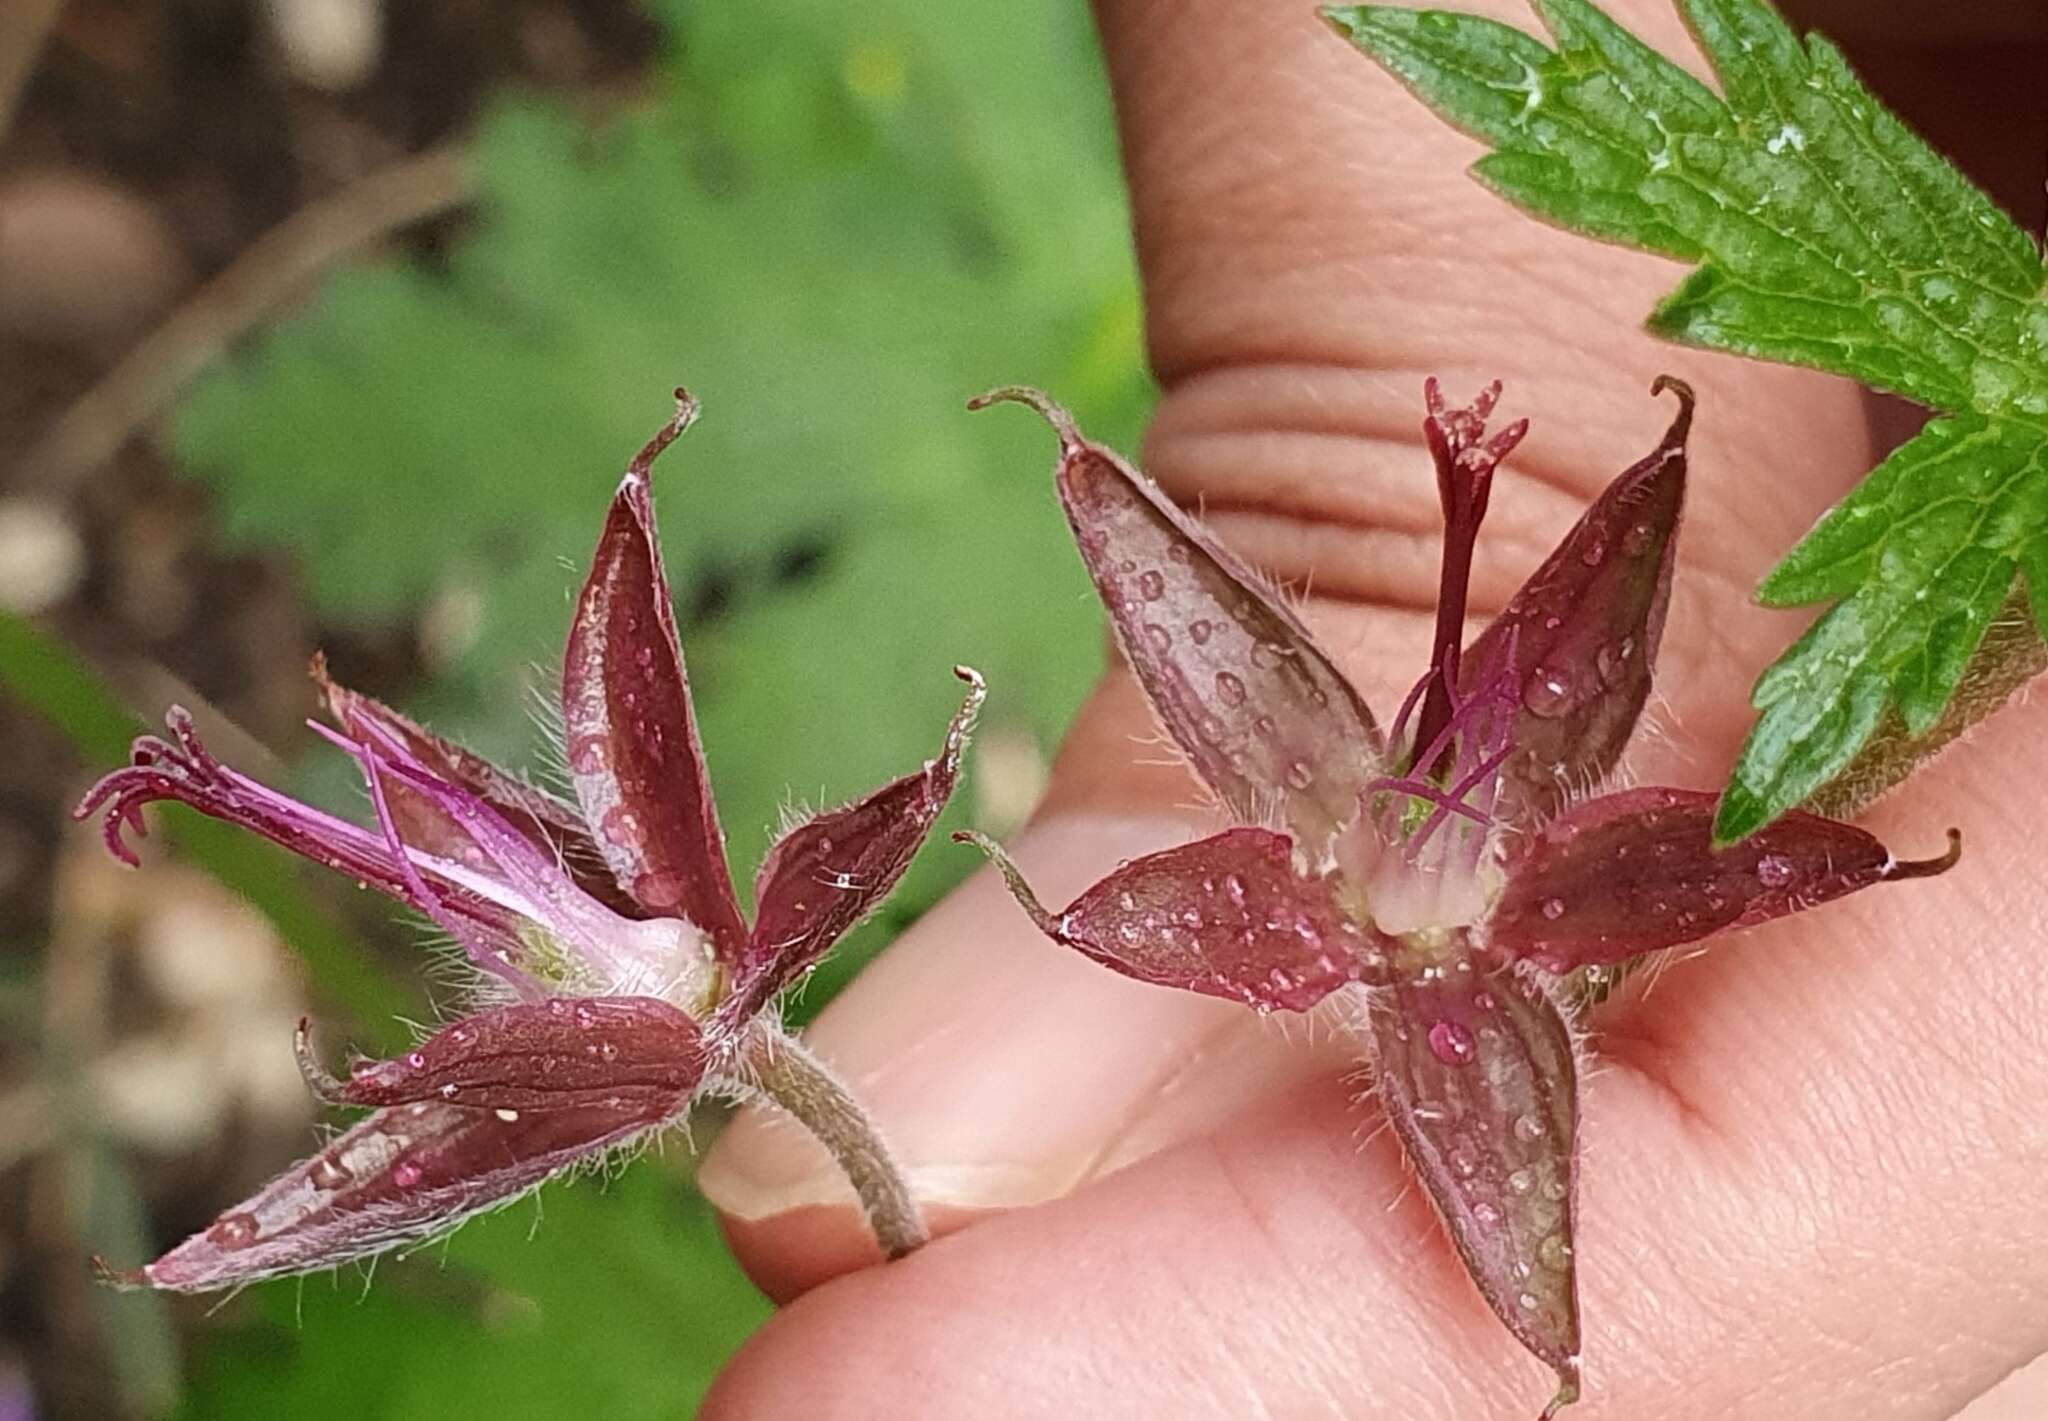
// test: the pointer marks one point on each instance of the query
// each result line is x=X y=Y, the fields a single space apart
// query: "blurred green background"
x=833 y=224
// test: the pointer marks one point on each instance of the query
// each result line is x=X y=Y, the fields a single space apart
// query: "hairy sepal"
x=1585 y=629
x=1263 y=717
x=551 y=822
x=633 y=747
x=828 y=873
x=1225 y=916
x=1476 y=1073
x=566 y=1053
x=1632 y=872
x=405 y=1174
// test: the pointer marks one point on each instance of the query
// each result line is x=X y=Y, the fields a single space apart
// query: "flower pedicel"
x=1450 y=870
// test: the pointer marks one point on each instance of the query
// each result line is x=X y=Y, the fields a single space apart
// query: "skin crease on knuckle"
x=1813 y=1160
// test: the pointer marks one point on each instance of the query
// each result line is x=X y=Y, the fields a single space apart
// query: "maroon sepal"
x=632 y=735
x=1632 y=872
x=1585 y=629
x=1226 y=916
x=828 y=873
x=563 y=1053
x=1263 y=717
x=406 y=1174
x=1476 y=1073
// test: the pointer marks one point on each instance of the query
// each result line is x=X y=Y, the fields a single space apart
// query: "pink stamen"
x=1422 y=789
x=1465 y=713
x=1483 y=719
x=1395 y=736
x=1455 y=799
x=535 y=877
x=423 y=895
x=188 y=773
x=1432 y=755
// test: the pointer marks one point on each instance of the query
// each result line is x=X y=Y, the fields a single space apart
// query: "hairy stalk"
x=781 y=1069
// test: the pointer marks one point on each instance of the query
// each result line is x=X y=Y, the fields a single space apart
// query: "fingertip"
x=795 y=1251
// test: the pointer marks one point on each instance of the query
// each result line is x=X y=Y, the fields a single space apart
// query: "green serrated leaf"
x=1826 y=234
x=1925 y=574
x=1484 y=76
x=1842 y=551
x=2009 y=655
x=1593 y=44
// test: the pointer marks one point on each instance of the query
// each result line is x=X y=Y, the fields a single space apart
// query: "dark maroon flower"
x=618 y=979
x=1443 y=875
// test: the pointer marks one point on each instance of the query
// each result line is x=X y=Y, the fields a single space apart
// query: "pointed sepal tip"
x=1567 y=1390
x=1013 y=877
x=326 y=1087
x=1054 y=413
x=970 y=709
x=1926 y=868
x=121 y=1280
x=687 y=410
x=1682 y=424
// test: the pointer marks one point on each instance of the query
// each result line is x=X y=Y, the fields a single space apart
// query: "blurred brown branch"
x=24 y=25
x=277 y=268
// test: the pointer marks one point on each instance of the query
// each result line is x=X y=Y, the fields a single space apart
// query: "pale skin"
x=1815 y=1160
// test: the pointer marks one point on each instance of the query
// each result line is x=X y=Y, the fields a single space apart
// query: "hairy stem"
x=781 y=1069
x=2010 y=655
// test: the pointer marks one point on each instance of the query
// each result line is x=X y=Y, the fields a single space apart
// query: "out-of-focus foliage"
x=618 y=1303
x=834 y=225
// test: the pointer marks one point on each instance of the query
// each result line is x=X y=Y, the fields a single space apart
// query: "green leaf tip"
x=1823 y=233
